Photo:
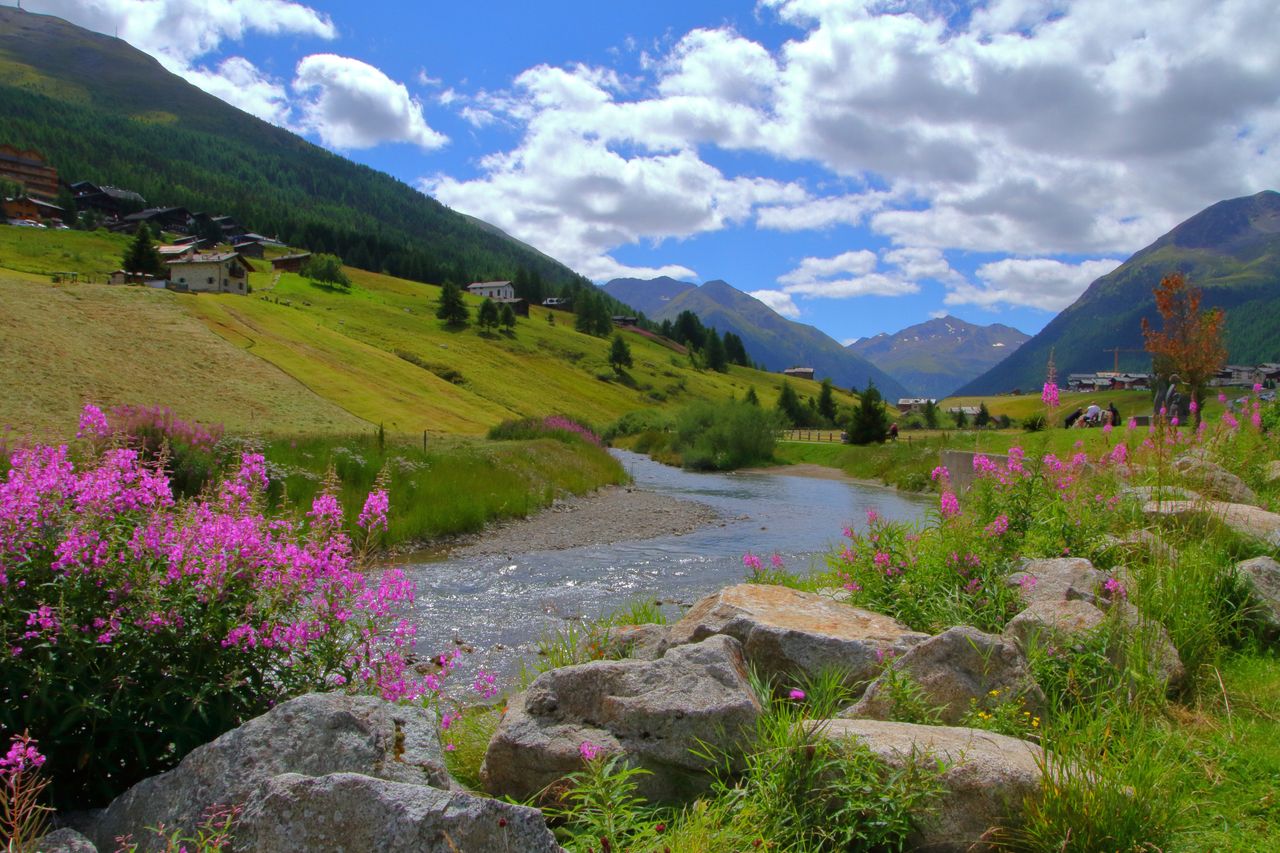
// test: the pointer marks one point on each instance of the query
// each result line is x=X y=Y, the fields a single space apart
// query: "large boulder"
x=1214 y=479
x=788 y=634
x=1060 y=623
x=352 y=812
x=957 y=670
x=642 y=642
x=654 y=712
x=1059 y=579
x=987 y=777
x=1262 y=575
x=314 y=735
x=65 y=840
x=1246 y=519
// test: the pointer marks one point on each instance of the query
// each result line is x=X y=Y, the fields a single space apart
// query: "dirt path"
x=611 y=514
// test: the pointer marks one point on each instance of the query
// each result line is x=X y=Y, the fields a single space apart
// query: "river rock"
x=1262 y=574
x=1151 y=493
x=653 y=712
x=1057 y=622
x=957 y=668
x=642 y=642
x=788 y=634
x=352 y=812
x=1215 y=479
x=987 y=776
x=1059 y=579
x=1272 y=471
x=65 y=840
x=314 y=735
x=1249 y=520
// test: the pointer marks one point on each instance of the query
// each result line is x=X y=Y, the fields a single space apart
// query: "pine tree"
x=983 y=417
x=715 y=354
x=584 y=306
x=619 y=353
x=735 y=350
x=487 y=317
x=931 y=414
x=507 y=317
x=827 y=402
x=870 y=421
x=751 y=397
x=141 y=256
x=789 y=405
x=452 y=309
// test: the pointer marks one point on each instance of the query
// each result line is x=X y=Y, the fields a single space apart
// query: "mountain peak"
x=933 y=358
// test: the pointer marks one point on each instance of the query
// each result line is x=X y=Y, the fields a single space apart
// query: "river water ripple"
x=497 y=607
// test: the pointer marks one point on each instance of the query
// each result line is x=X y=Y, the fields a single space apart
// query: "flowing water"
x=497 y=607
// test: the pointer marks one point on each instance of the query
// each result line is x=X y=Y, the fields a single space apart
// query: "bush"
x=187 y=450
x=1034 y=423
x=560 y=427
x=639 y=421
x=326 y=269
x=723 y=436
x=137 y=627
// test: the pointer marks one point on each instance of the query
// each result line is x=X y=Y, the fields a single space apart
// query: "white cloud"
x=778 y=301
x=238 y=82
x=351 y=104
x=939 y=314
x=1036 y=283
x=810 y=270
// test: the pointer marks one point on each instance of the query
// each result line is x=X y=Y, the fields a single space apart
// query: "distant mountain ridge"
x=936 y=357
x=1230 y=249
x=770 y=339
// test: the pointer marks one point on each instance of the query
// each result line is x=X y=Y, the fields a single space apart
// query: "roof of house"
x=153 y=212
x=211 y=258
x=487 y=284
x=297 y=256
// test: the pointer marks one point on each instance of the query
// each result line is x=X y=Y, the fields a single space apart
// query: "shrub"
x=560 y=427
x=1034 y=423
x=639 y=421
x=137 y=627
x=326 y=269
x=724 y=436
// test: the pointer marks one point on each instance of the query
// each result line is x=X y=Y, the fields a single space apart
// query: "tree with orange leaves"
x=1189 y=345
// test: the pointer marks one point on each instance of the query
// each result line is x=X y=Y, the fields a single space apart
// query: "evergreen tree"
x=827 y=402
x=487 y=317
x=751 y=397
x=688 y=330
x=601 y=317
x=326 y=268
x=619 y=353
x=667 y=330
x=870 y=421
x=141 y=256
x=983 y=417
x=735 y=350
x=583 y=309
x=715 y=354
x=961 y=419
x=789 y=405
x=67 y=202
x=931 y=414
x=453 y=310
x=508 y=317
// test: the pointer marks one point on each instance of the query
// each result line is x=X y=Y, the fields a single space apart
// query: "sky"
x=859 y=166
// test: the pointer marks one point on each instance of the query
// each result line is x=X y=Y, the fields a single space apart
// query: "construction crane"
x=1116 y=352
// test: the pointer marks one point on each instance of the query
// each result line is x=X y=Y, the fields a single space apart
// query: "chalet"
x=518 y=305
x=175 y=251
x=914 y=404
x=799 y=372
x=230 y=228
x=221 y=272
x=492 y=289
x=625 y=320
x=559 y=303
x=112 y=202
x=158 y=219
x=26 y=207
x=28 y=168
x=967 y=411
x=290 y=263
x=125 y=277
x=248 y=248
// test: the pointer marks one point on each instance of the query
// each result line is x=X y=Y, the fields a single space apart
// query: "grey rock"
x=653 y=712
x=1162 y=658
x=642 y=642
x=65 y=841
x=1272 y=471
x=1059 y=579
x=1056 y=622
x=1262 y=574
x=987 y=777
x=1248 y=520
x=353 y=813
x=788 y=634
x=1214 y=479
x=1151 y=493
x=955 y=669
x=314 y=735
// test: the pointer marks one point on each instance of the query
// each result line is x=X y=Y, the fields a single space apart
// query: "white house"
x=221 y=272
x=492 y=289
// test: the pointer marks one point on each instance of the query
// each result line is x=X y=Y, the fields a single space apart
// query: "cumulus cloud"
x=843 y=276
x=351 y=104
x=1035 y=282
x=778 y=301
x=811 y=270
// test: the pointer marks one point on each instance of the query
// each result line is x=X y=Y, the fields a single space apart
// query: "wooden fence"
x=830 y=435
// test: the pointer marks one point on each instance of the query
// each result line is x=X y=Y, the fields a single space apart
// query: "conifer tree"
x=507 y=317
x=452 y=309
x=715 y=354
x=870 y=421
x=487 y=317
x=827 y=401
x=619 y=353
x=790 y=406
x=141 y=256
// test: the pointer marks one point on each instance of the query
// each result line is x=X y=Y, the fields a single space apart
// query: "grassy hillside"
x=294 y=357
x=101 y=110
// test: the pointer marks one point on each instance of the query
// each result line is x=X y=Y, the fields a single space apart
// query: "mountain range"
x=936 y=357
x=1231 y=250
x=771 y=340
x=100 y=110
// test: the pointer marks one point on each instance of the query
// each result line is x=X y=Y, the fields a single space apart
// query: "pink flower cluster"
x=559 y=422
x=21 y=757
x=1050 y=395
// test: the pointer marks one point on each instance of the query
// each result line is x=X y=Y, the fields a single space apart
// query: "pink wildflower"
x=1222 y=398
x=999 y=526
x=940 y=473
x=796 y=695
x=752 y=562
x=1050 y=395
x=775 y=560
x=589 y=751
x=93 y=424
x=1114 y=589
x=950 y=505
x=374 y=513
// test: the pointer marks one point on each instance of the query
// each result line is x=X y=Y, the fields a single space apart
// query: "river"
x=496 y=607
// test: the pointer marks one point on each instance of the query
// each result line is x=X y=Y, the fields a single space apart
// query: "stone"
x=350 y=811
x=1165 y=662
x=65 y=840
x=987 y=776
x=1143 y=541
x=653 y=712
x=957 y=668
x=789 y=635
x=1059 y=579
x=1060 y=622
x=1272 y=471
x=1248 y=520
x=1262 y=575
x=1214 y=479
x=642 y=642
x=1151 y=493
x=315 y=734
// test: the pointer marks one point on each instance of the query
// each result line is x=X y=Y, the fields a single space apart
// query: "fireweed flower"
x=1114 y=588
x=589 y=751
x=93 y=423
x=950 y=505
x=374 y=513
x=998 y=527
x=1050 y=395
x=796 y=695
x=940 y=473
x=752 y=562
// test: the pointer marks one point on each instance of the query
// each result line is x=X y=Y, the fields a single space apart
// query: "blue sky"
x=859 y=166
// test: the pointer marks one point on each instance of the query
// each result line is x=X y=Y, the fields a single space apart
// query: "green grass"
x=48 y=251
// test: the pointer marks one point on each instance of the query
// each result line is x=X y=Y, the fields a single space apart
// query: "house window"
x=210 y=279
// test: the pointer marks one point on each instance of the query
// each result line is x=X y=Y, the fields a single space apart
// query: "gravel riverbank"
x=608 y=515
